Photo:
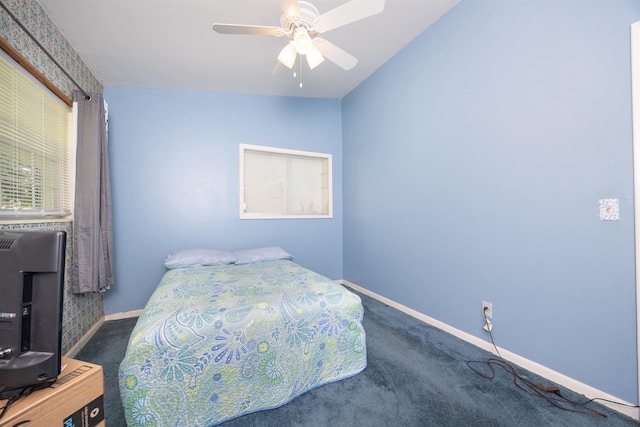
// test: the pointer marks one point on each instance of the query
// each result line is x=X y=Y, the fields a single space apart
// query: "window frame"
x=288 y=155
x=64 y=210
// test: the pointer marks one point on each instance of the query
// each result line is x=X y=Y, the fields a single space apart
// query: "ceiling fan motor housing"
x=308 y=16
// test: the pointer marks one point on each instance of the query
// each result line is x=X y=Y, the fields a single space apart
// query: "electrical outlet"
x=487 y=309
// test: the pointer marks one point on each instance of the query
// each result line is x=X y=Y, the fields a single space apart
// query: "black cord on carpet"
x=551 y=394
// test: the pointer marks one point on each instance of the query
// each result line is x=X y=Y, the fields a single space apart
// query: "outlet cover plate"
x=609 y=209
x=489 y=311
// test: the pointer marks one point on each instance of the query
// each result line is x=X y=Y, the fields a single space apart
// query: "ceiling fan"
x=301 y=22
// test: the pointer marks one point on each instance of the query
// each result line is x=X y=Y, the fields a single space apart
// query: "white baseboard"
x=550 y=374
x=84 y=340
x=122 y=315
x=91 y=332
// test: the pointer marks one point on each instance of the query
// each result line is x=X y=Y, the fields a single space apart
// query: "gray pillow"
x=271 y=253
x=198 y=257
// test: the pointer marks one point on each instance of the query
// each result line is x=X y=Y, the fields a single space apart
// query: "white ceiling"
x=169 y=44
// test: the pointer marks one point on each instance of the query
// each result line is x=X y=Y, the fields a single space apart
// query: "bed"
x=215 y=342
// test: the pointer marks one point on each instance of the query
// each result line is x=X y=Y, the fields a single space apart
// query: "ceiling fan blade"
x=349 y=12
x=247 y=29
x=334 y=54
x=290 y=7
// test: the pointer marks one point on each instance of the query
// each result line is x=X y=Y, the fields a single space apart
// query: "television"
x=32 y=264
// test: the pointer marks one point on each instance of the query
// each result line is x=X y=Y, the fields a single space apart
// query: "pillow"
x=197 y=257
x=248 y=256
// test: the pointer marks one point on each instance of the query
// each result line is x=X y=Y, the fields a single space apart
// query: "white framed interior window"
x=35 y=147
x=283 y=183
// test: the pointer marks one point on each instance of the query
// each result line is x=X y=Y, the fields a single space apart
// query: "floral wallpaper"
x=81 y=312
x=31 y=14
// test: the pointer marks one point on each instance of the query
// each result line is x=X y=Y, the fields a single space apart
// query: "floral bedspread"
x=217 y=342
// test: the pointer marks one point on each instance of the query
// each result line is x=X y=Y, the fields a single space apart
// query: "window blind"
x=281 y=183
x=35 y=148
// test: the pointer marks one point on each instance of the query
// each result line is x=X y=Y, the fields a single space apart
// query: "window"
x=35 y=148
x=280 y=183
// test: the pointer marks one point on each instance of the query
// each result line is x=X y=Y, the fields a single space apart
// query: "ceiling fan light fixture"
x=302 y=23
x=287 y=56
x=302 y=41
x=314 y=58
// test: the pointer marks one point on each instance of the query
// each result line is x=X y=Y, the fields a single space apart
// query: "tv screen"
x=31 y=296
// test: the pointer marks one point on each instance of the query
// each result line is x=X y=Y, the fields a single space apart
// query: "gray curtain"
x=92 y=264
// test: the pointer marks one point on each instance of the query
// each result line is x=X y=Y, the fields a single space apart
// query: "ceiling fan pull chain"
x=300 y=62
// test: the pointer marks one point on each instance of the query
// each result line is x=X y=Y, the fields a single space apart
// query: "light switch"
x=609 y=210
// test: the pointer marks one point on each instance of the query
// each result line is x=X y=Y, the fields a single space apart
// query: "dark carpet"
x=416 y=375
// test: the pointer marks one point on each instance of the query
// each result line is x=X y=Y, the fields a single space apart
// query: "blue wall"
x=473 y=164
x=174 y=171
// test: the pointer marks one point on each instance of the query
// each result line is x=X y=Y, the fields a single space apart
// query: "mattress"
x=217 y=342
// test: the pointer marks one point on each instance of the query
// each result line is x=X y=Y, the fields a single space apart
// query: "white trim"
x=37 y=221
x=635 y=104
x=85 y=339
x=74 y=150
x=122 y=315
x=550 y=374
x=91 y=332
